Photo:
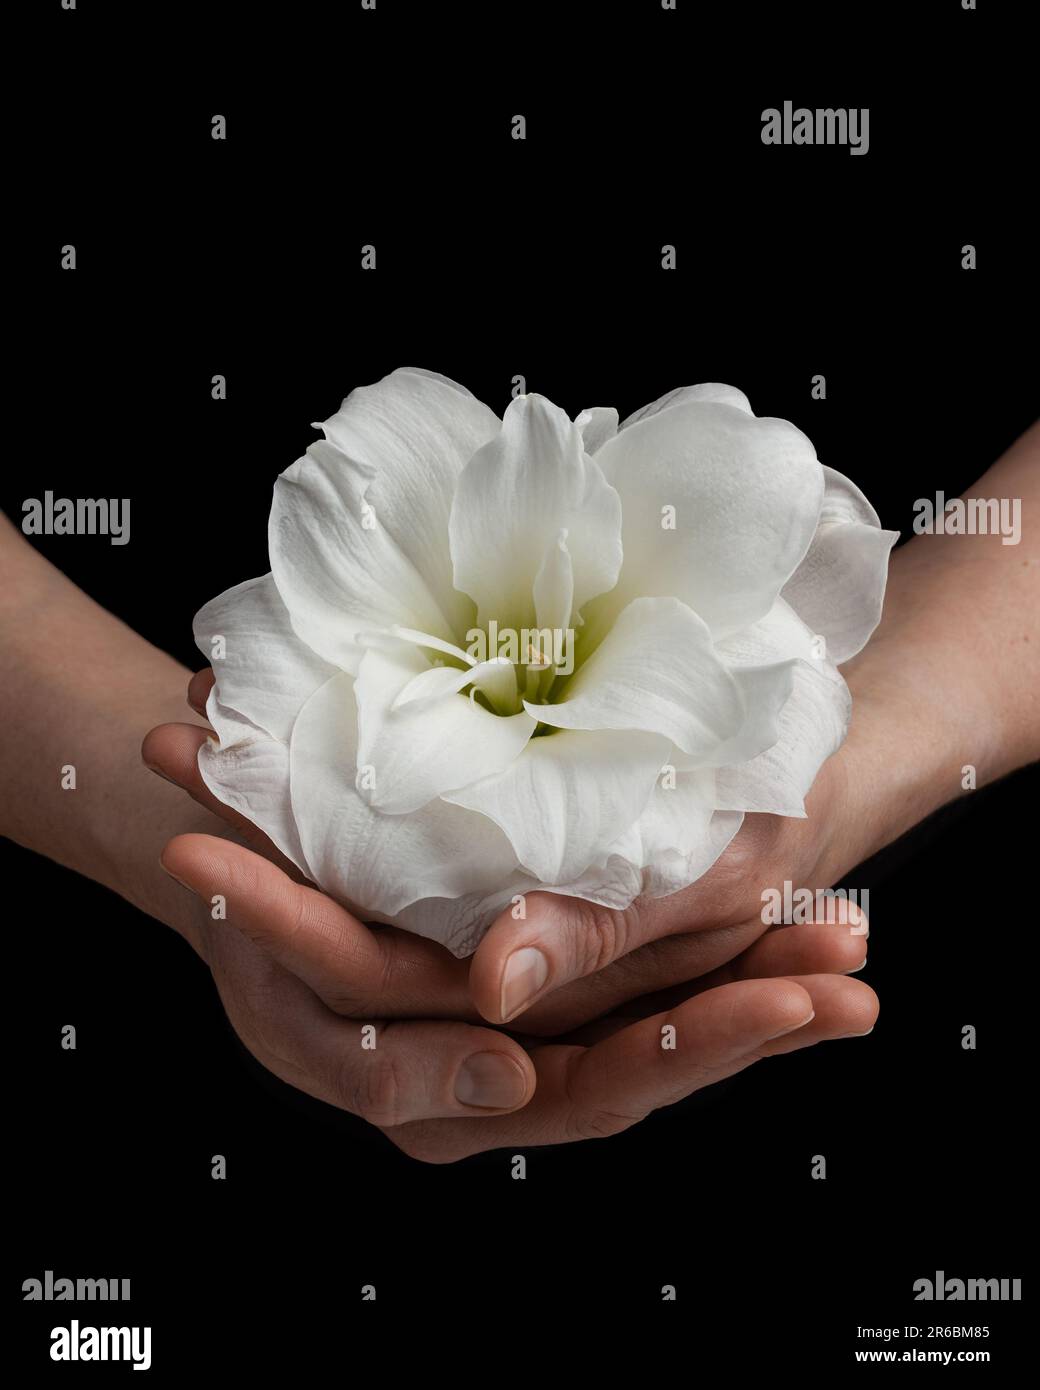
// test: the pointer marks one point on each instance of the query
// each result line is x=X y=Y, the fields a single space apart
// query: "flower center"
x=512 y=665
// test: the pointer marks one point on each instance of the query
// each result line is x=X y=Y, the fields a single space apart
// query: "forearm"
x=80 y=691
x=951 y=678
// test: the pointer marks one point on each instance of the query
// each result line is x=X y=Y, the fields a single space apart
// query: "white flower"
x=691 y=563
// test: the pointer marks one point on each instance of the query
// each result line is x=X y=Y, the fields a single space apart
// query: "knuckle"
x=386 y=975
x=602 y=937
x=363 y=988
x=293 y=914
x=377 y=1092
x=586 y=1121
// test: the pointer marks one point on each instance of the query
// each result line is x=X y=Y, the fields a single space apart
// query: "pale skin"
x=949 y=678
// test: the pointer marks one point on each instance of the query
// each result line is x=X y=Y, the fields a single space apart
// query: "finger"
x=665 y=965
x=844 y=1009
x=585 y=1093
x=805 y=948
x=351 y=968
x=199 y=686
x=660 y=1059
x=172 y=751
x=562 y=939
x=653 y=967
x=559 y=939
x=802 y=949
x=390 y=1073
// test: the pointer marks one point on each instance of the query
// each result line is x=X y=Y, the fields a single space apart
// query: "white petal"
x=431 y=684
x=568 y=797
x=764 y=691
x=515 y=493
x=682 y=832
x=266 y=672
x=554 y=587
x=380 y=864
x=249 y=771
x=459 y=923
x=419 y=750
x=614 y=883
x=676 y=816
x=810 y=726
x=711 y=391
x=389 y=636
x=656 y=670
x=779 y=636
x=597 y=425
x=672 y=872
x=746 y=495
x=338 y=569
x=496 y=678
x=839 y=588
x=413 y=433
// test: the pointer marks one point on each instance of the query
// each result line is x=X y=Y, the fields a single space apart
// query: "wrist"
x=908 y=744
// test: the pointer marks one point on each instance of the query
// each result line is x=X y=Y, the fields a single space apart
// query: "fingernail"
x=857 y=968
x=490 y=1080
x=855 y=1035
x=793 y=1028
x=525 y=973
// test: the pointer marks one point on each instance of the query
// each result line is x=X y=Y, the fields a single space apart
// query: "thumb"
x=557 y=940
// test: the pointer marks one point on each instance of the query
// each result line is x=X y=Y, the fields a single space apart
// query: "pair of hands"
x=393 y=1028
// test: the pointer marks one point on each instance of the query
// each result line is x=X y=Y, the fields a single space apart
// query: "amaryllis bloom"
x=499 y=655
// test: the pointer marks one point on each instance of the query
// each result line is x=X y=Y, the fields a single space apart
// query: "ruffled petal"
x=597 y=425
x=530 y=482
x=719 y=509
x=249 y=771
x=568 y=796
x=337 y=568
x=411 y=752
x=682 y=832
x=810 y=727
x=656 y=670
x=266 y=672
x=764 y=692
x=839 y=588
x=380 y=864
x=413 y=433
x=706 y=391
x=554 y=587
x=358 y=534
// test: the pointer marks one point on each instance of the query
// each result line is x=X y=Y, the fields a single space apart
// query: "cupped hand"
x=441 y=1088
x=568 y=961
x=427 y=980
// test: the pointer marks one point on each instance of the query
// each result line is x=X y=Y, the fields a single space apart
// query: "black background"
x=495 y=258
